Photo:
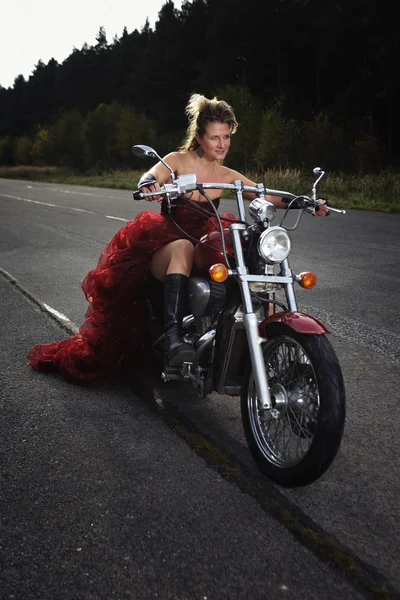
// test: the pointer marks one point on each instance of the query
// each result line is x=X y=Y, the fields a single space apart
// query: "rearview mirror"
x=144 y=152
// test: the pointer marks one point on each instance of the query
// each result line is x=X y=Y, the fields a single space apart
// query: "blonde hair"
x=201 y=111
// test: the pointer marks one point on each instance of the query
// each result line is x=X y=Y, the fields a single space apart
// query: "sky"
x=43 y=29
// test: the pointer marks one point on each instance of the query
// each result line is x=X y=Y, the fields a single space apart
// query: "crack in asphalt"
x=307 y=531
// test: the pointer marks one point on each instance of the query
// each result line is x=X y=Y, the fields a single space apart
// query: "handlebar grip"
x=137 y=195
x=326 y=205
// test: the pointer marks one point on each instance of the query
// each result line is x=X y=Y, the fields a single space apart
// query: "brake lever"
x=336 y=210
x=314 y=209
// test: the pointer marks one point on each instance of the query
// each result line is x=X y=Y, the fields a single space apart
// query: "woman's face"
x=215 y=141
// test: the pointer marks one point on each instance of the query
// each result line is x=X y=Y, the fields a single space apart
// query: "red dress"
x=116 y=319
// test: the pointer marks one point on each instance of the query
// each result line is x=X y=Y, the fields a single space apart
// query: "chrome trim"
x=187 y=321
x=239 y=195
x=257 y=360
x=205 y=338
x=267 y=278
x=289 y=288
x=320 y=172
x=264 y=287
x=262 y=210
x=251 y=322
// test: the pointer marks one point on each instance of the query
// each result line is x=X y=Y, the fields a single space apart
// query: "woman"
x=150 y=246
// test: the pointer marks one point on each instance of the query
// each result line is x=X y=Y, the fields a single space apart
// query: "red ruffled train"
x=116 y=319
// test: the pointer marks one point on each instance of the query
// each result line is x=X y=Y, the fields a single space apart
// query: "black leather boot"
x=176 y=349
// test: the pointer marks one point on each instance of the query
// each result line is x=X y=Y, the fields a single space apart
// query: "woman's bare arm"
x=161 y=175
x=160 y=171
x=276 y=200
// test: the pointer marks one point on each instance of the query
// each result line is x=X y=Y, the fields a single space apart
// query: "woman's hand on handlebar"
x=320 y=211
x=153 y=187
x=148 y=184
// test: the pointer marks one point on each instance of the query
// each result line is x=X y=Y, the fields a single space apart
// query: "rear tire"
x=297 y=445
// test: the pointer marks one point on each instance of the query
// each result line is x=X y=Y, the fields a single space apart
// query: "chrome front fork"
x=250 y=321
x=289 y=287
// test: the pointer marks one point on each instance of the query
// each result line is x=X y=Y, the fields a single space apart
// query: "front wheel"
x=295 y=443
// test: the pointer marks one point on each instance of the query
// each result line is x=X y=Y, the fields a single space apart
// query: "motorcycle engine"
x=206 y=298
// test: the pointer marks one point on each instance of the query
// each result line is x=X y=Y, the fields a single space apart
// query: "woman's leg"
x=175 y=257
x=172 y=264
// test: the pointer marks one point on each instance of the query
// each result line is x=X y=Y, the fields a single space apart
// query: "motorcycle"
x=252 y=343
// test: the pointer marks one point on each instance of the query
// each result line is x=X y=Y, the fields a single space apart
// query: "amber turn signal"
x=219 y=273
x=308 y=280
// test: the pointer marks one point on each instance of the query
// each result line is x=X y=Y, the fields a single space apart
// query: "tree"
x=161 y=66
x=68 y=139
x=339 y=58
x=368 y=153
x=22 y=151
x=41 y=93
x=101 y=39
x=43 y=147
x=325 y=144
x=6 y=151
x=132 y=128
x=99 y=133
x=20 y=109
x=81 y=81
x=278 y=140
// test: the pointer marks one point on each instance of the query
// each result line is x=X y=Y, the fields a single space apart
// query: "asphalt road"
x=144 y=491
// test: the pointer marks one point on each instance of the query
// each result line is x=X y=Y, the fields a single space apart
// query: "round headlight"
x=274 y=245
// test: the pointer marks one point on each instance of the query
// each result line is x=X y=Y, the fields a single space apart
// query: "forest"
x=310 y=81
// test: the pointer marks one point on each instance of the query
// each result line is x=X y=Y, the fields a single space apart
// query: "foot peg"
x=176 y=373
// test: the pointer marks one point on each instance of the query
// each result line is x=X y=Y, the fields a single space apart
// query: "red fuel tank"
x=205 y=257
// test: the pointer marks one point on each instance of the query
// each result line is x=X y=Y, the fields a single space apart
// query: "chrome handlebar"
x=178 y=190
x=188 y=183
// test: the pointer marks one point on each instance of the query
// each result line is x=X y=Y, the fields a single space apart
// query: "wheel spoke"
x=304 y=431
x=289 y=437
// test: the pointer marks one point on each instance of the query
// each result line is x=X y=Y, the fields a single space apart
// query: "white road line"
x=77 y=193
x=29 y=200
x=58 y=315
x=115 y=218
x=61 y=317
x=8 y=275
x=90 y=212
x=86 y=194
x=85 y=211
x=13 y=197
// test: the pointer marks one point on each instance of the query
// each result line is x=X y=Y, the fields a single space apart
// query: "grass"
x=372 y=191
x=123 y=180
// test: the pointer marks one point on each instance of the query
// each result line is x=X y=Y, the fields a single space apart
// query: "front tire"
x=295 y=444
